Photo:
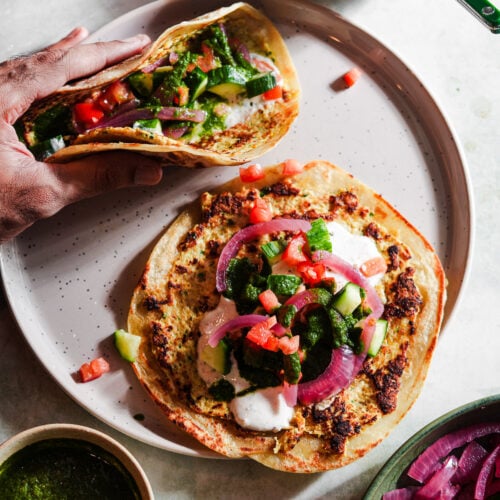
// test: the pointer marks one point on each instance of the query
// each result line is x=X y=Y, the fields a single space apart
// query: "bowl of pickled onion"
x=455 y=456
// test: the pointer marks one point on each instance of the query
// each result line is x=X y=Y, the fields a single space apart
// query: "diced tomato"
x=292 y=167
x=251 y=173
x=272 y=343
x=269 y=300
x=312 y=273
x=274 y=93
x=260 y=212
x=206 y=62
x=182 y=97
x=289 y=345
x=373 y=266
x=352 y=76
x=116 y=93
x=87 y=113
x=93 y=370
x=294 y=252
x=261 y=332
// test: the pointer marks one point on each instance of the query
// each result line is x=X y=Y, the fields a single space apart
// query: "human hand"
x=32 y=190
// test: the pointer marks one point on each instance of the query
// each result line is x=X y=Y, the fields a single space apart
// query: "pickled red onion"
x=249 y=233
x=429 y=460
x=233 y=324
x=337 y=375
x=484 y=474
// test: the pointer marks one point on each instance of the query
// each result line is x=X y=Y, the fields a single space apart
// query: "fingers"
x=70 y=40
x=27 y=79
x=105 y=172
x=87 y=59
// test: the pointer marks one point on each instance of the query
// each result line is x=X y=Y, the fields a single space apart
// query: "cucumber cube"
x=127 y=344
x=348 y=299
x=217 y=357
x=378 y=337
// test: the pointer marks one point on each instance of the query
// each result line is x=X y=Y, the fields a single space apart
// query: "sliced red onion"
x=290 y=394
x=279 y=330
x=470 y=462
x=337 y=376
x=440 y=480
x=249 y=233
x=156 y=64
x=174 y=132
x=239 y=47
x=338 y=265
x=492 y=488
x=485 y=474
x=187 y=114
x=173 y=57
x=400 y=493
x=302 y=299
x=430 y=459
x=244 y=321
x=127 y=118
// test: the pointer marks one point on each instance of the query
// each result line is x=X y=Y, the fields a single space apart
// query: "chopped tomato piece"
x=93 y=370
x=182 y=97
x=260 y=212
x=292 y=167
x=373 y=266
x=116 y=93
x=274 y=93
x=88 y=113
x=207 y=61
x=289 y=345
x=352 y=76
x=272 y=343
x=269 y=300
x=251 y=173
x=312 y=273
x=261 y=332
x=294 y=252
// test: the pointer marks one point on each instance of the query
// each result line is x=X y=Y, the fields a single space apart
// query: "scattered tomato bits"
x=292 y=167
x=260 y=212
x=251 y=173
x=92 y=370
x=352 y=76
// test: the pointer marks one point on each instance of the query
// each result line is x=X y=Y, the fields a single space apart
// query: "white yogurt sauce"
x=353 y=248
x=262 y=410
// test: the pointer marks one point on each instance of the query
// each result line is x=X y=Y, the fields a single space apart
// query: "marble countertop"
x=457 y=59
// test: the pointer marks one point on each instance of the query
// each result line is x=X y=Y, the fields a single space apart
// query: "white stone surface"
x=457 y=59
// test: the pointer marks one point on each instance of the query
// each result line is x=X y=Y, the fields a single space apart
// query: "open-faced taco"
x=291 y=319
x=220 y=89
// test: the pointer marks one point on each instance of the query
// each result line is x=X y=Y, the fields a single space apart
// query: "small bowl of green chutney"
x=66 y=461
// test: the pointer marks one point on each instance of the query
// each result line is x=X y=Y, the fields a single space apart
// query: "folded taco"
x=291 y=319
x=220 y=89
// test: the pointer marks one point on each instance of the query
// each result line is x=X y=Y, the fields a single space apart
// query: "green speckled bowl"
x=393 y=473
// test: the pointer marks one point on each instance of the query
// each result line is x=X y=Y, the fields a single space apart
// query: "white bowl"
x=70 y=431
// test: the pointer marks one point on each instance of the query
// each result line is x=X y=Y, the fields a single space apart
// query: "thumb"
x=105 y=172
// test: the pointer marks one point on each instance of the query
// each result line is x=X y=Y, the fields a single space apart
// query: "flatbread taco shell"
x=178 y=286
x=249 y=139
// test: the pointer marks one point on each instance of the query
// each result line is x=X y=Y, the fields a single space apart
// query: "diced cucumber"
x=159 y=74
x=378 y=337
x=197 y=82
x=260 y=83
x=217 y=357
x=226 y=81
x=348 y=298
x=127 y=344
x=153 y=125
x=44 y=149
x=272 y=250
x=141 y=83
x=292 y=367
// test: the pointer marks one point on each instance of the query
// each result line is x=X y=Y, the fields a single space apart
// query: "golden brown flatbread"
x=240 y=142
x=178 y=287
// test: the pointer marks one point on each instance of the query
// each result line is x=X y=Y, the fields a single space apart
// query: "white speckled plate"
x=69 y=279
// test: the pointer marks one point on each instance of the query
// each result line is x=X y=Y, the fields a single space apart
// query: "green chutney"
x=65 y=469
